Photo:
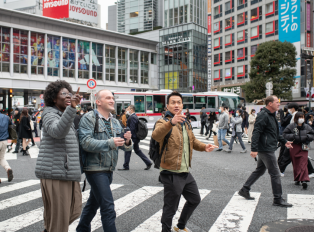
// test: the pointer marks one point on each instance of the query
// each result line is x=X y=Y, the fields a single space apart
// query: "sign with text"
x=209 y=6
x=209 y=26
x=308 y=39
x=234 y=89
x=86 y=10
x=289 y=20
x=308 y=17
x=56 y=9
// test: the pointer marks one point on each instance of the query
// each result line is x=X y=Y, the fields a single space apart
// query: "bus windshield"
x=231 y=102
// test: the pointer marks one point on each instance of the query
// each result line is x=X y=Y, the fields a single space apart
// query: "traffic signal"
x=11 y=92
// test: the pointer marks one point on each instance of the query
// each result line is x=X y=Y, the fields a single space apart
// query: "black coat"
x=266 y=132
x=132 y=123
x=188 y=116
x=25 y=128
x=17 y=122
x=297 y=134
x=203 y=118
x=211 y=120
x=284 y=120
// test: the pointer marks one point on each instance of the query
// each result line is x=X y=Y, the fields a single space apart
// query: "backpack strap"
x=96 y=121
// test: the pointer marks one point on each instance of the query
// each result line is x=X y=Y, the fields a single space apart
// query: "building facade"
x=133 y=16
x=238 y=27
x=36 y=50
x=183 y=46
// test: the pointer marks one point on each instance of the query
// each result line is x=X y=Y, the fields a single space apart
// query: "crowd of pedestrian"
x=88 y=141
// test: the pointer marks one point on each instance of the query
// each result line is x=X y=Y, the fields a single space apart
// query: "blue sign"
x=289 y=20
x=42 y=104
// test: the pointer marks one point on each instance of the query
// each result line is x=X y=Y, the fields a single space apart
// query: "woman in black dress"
x=25 y=131
x=212 y=118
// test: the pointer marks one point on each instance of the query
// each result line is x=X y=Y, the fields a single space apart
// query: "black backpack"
x=154 y=148
x=142 y=130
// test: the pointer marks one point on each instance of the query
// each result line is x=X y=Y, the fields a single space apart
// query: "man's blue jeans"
x=222 y=136
x=100 y=196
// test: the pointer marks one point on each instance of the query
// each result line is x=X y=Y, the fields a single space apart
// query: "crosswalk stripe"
x=145 y=141
x=237 y=215
x=33 y=153
x=4 y=180
x=31 y=217
x=153 y=224
x=17 y=186
x=10 y=156
x=122 y=205
x=303 y=206
x=14 y=201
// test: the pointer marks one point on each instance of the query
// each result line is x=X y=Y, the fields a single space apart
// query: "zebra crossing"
x=33 y=153
x=235 y=216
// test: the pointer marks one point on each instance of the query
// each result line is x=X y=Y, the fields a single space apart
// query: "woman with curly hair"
x=25 y=131
x=58 y=165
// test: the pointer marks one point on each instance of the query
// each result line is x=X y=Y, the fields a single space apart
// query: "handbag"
x=31 y=124
x=305 y=147
x=12 y=132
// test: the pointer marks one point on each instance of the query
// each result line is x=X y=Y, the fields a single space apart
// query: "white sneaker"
x=282 y=174
x=311 y=175
x=176 y=229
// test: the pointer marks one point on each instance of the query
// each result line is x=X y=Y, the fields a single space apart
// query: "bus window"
x=188 y=103
x=139 y=104
x=231 y=102
x=159 y=103
x=200 y=102
x=211 y=102
x=149 y=104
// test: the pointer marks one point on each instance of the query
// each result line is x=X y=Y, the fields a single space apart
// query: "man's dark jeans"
x=100 y=196
x=266 y=160
x=127 y=155
x=18 y=144
x=176 y=185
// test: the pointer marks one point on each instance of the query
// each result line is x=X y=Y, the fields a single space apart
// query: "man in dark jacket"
x=284 y=119
x=16 y=120
x=132 y=123
x=264 y=144
x=203 y=116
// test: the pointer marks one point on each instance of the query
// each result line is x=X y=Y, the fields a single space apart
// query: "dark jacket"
x=266 y=132
x=4 y=126
x=17 y=121
x=188 y=116
x=25 y=128
x=297 y=134
x=77 y=120
x=284 y=120
x=203 y=118
x=132 y=124
x=211 y=120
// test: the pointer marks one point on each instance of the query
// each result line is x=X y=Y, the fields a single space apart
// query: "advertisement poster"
x=171 y=80
x=209 y=6
x=56 y=9
x=209 y=24
x=86 y=10
x=296 y=87
x=308 y=17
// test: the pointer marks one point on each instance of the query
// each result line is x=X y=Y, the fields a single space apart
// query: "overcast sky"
x=104 y=11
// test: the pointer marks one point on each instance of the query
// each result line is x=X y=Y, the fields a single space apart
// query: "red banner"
x=56 y=9
x=308 y=39
x=209 y=21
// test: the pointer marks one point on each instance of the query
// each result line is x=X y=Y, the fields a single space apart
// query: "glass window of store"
x=53 y=51
x=97 y=60
x=122 y=64
x=4 y=49
x=133 y=66
x=144 y=68
x=110 y=62
x=37 y=53
x=20 y=46
x=68 y=50
x=83 y=59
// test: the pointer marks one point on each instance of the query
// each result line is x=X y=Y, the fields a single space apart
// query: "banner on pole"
x=307 y=93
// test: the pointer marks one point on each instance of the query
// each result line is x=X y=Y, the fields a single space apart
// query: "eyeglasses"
x=66 y=94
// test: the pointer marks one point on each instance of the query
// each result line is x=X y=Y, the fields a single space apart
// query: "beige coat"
x=252 y=119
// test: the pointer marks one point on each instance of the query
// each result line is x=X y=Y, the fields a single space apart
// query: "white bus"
x=149 y=105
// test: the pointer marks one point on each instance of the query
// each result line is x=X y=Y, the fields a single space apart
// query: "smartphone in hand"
x=124 y=130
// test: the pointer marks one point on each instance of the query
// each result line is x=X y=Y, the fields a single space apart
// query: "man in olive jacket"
x=175 y=163
x=264 y=144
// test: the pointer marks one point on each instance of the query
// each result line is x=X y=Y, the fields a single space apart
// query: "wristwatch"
x=172 y=123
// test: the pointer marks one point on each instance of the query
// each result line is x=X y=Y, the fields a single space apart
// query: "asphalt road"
x=139 y=197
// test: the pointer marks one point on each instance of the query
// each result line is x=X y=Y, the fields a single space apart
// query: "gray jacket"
x=237 y=122
x=223 y=121
x=59 y=148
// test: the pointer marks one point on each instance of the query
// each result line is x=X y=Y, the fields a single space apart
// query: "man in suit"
x=132 y=123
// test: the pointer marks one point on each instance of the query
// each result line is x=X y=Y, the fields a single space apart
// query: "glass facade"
x=53 y=51
x=107 y=62
x=68 y=50
x=20 y=46
x=37 y=53
x=183 y=58
x=137 y=15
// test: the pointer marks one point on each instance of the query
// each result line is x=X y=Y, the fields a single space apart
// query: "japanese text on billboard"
x=289 y=20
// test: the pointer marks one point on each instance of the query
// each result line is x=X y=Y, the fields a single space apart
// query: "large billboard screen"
x=56 y=9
